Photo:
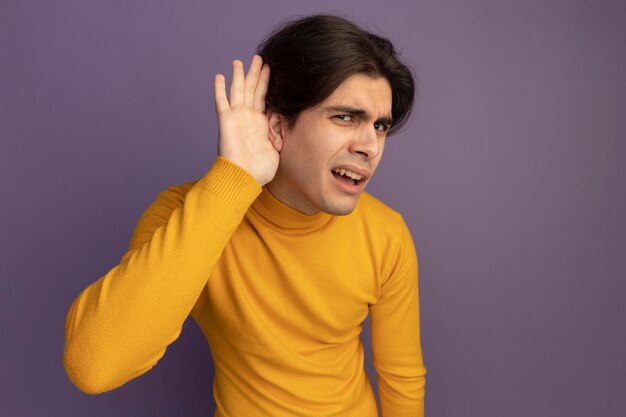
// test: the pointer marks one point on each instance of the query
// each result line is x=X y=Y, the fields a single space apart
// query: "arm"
x=396 y=343
x=120 y=326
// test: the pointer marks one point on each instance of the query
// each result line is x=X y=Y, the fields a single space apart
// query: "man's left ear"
x=277 y=125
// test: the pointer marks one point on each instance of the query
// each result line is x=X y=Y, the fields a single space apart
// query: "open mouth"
x=347 y=176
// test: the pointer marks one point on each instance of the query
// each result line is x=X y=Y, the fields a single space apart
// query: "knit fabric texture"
x=280 y=296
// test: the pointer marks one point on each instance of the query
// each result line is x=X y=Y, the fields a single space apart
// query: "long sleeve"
x=120 y=326
x=396 y=343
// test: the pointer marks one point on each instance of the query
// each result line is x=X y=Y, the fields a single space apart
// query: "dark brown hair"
x=311 y=56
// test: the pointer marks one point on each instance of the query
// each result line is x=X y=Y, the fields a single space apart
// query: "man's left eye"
x=381 y=127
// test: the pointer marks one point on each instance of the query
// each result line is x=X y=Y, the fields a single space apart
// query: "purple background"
x=511 y=177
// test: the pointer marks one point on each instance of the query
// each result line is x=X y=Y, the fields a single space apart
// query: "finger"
x=236 y=85
x=261 y=89
x=252 y=79
x=221 y=101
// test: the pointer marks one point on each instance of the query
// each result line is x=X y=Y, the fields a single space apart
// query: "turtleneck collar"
x=284 y=217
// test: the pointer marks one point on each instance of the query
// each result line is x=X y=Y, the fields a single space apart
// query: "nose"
x=367 y=142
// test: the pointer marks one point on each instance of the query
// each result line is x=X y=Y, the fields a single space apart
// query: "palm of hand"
x=243 y=127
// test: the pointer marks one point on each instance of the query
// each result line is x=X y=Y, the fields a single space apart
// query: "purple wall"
x=511 y=177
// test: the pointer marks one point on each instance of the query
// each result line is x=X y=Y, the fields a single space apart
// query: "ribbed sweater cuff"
x=230 y=182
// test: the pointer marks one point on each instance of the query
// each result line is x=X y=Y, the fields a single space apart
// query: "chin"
x=338 y=209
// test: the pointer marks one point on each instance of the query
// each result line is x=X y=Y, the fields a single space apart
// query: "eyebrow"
x=360 y=113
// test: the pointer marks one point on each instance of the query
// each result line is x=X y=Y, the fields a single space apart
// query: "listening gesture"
x=243 y=127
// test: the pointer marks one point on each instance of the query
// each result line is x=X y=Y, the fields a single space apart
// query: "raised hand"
x=243 y=127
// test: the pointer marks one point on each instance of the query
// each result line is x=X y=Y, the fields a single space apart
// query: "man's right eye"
x=343 y=117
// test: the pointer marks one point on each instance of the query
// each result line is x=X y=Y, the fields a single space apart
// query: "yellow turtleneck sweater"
x=280 y=296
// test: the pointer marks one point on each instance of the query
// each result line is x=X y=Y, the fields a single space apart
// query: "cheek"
x=316 y=153
x=311 y=149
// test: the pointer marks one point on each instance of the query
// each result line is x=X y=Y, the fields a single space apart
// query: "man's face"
x=346 y=132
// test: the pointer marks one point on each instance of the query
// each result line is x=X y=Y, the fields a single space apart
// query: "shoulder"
x=386 y=230
x=377 y=214
x=383 y=224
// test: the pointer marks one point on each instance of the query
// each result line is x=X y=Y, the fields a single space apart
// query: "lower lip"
x=348 y=186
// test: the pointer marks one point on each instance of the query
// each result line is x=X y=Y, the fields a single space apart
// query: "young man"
x=276 y=252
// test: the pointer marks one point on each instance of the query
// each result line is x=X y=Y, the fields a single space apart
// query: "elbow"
x=408 y=384
x=87 y=385
x=85 y=374
x=95 y=372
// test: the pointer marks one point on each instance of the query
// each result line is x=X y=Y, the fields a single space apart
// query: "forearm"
x=399 y=365
x=119 y=327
